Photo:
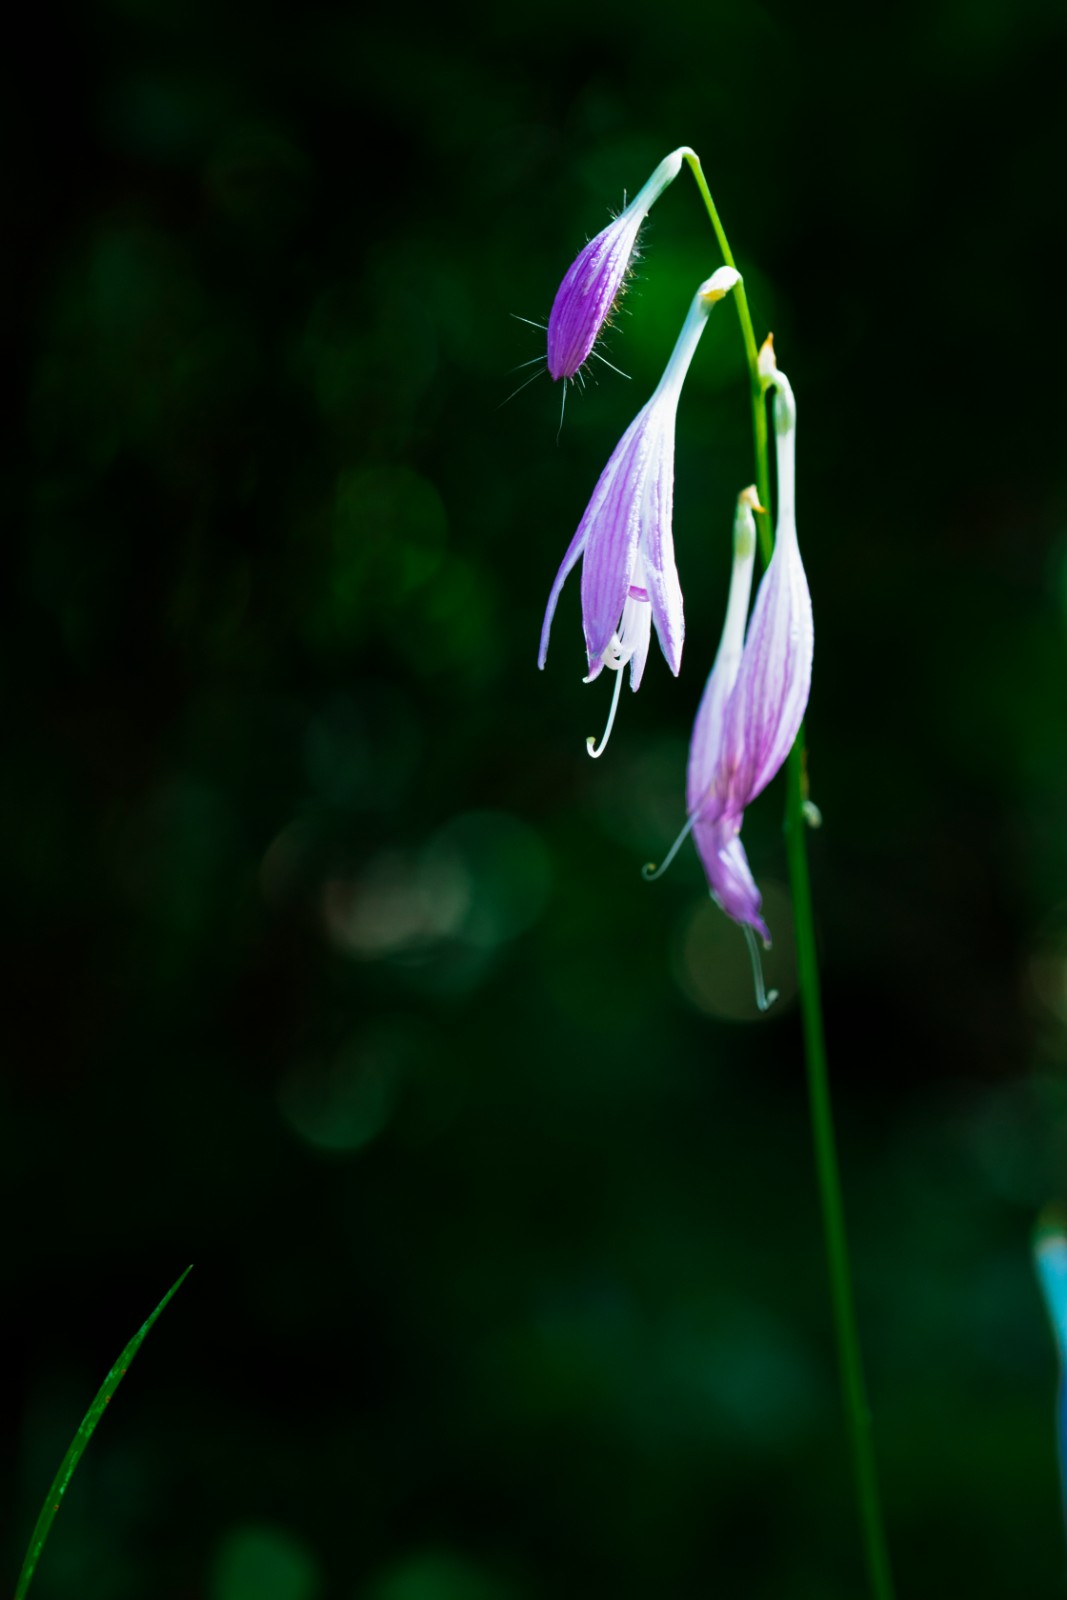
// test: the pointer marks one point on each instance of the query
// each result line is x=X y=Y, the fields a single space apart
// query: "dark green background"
x=330 y=965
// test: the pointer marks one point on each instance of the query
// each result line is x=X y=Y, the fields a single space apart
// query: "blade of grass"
x=81 y=1439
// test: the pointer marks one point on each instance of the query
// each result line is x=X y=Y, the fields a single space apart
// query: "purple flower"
x=756 y=695
x=596 y=278
x=629 y=580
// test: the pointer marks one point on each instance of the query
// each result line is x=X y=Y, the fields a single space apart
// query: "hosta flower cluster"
x=755 y=697
x=629 y=577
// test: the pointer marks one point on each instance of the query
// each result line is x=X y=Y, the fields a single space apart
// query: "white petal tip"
x=719 y=284
x=767 y=363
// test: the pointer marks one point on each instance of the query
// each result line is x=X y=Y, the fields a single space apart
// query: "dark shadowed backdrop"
x=330 y=966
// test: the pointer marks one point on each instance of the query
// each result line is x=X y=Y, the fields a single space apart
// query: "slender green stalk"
x=826 y=1164
x=756 y=389
x=43 y=1525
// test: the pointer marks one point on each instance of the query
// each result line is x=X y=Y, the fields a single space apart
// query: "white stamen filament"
x=590 y=743
x=650 y=872
x=631 y=640
x=764 y=1000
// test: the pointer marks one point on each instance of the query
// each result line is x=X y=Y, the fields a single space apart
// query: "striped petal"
x=596 y=278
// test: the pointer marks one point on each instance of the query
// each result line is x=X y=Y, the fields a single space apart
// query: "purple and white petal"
x=629 y=579
x=591 y=286
x=657 y=543
x=613 y=518
x=771 y=694
x=595 y=279
x=774 y=680
x=635 y=625
x=706 y=786
x=607 y=534
x=574 y=550
x=729 y=875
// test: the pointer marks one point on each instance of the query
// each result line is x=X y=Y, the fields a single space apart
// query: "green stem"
x=826 y=1164
x=756 y=389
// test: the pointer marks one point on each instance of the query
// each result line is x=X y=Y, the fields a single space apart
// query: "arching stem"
x=826 y=1164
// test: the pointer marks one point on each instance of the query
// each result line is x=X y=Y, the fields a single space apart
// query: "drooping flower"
x=595 y=279
x=755 y=698
x=757 y=693
x=629 y=579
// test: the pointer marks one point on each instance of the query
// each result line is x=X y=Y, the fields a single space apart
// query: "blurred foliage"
x=330 y=965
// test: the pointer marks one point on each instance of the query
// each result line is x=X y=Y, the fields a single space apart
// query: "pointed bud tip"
x=719 y=284
x=749 y=497
x=768 y=365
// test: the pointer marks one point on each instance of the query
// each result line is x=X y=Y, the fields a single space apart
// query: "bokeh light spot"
x=344 y=1103
x=341 y=1106
x=263 y=1563
x=395 y=906
x=482 y=880
x=437 y=1576
x=506 y=867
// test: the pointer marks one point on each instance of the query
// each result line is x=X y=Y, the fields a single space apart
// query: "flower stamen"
x=650 y=872
x=591 y=741
x=764 y=1000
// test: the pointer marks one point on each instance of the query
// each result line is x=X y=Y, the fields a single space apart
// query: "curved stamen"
x=650 y=872
x=763 y=1000
x=591 y=741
